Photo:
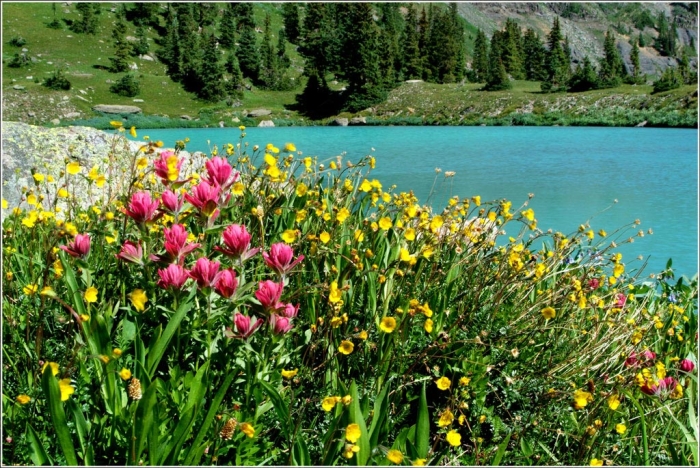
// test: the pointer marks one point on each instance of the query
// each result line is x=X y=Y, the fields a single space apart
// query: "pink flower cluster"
x=80 y=247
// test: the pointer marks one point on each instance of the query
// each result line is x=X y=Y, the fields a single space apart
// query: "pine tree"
x=497 y=79
x=584 y=78
x=268 y=75
x=634 y=59
x=205 y=13
x=227 y=28
x=512 y=52
x=87 y=24
x=191 y=53
x=411 y=64
x=283 y=60
x=141 y=47
x=212 y=73
x=460 y=67
x=290 y=18
x=170 y=51
x=557 y=65
x=480 y=62
x=670 y=79
x=666 y=41
x=247 y=52
x=235 y=84
x=360 y=66
x=423 y=34
x=612 y=68
x=534 y=56
x=390 y=22
x=315 y=42
x=145 y=13
x=122 y=48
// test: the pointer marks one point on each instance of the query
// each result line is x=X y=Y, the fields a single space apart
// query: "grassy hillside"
x=85 y=58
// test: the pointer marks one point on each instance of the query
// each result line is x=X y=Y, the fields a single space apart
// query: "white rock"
x=266 y=123
x=30 y=77
x=138 y=100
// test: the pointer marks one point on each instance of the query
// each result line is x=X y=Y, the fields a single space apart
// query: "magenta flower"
x=665 y=385
x=80 y=246
x=269 y=294
x=593 y=283
x=290 y=311
x=280 y=258
x=204 y=272
x=171 y=202
x=620 y=300
x=237 y=242
x=141 y=208
x=244 y=326
x=172 y=277
x=131 y=253
x=205 y=198
x=279 y=324
x=168 y=167
x=646 y=358
x=686 y=365
x=226 y=283
x=176 y=242
x=220 y=173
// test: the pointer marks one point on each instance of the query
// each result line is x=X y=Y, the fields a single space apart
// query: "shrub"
x=57 y=81
x=18 y=41
x=127 y=86
x=670 y=79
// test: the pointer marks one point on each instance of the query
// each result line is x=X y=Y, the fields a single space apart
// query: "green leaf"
x=72 y=284
x=501 y=450
x=423 y=426
x=37 y=452
x=526 y=447
x=155 y=354
x=300 y=453
x=83 y=429
x=280 y=408
x=194 y=454
x=381 y=410
x=58 y=416
x=355 y=416
x=143 y=421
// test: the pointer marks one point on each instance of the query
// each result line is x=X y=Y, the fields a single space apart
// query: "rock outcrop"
x=116 y=109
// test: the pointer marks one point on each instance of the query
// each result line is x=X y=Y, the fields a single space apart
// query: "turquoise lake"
x=574 y=172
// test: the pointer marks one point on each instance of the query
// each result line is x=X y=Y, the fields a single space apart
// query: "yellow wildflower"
x=353 y=432
x=443 y=383
x=66 y=389
x=23 y=399
x=138 y=299
x=446 y=418
x=125 y=374
x=73 y=167
x=289 y=236
x=385 y=223
x=248 y=429
x=453 y=438
x=90 y=295
x=395 y=456
x=346 y=347
x=582 y=398
x=53 y=365
x=549 y=313
x=288 y=374
x=388 y=324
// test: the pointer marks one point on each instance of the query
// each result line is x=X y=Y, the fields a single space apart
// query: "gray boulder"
x=259 y=113
x=116 y=109
x=266 y=123
x=341 y=122
x=358 y=121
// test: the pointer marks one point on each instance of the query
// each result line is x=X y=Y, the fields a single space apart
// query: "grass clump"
x=326 y=318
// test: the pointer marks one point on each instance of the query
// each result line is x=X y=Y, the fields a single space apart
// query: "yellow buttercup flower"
x=90 y=295
x=342 y=215
x=73 y=167
x=4 y=204
x=428 y=325
x=528 y=214
x=346 y=347
x=385 y=223
x=335 y=293
x=30 y=289
x=353 y=432
x=133 y=132
x=446 y=418
x=395 y=456
x=549 y=313
x=464 y=381
x=613 y=402
x=409 y=234
x=125 y=374
x=53 y=365
x=388 y=324
x=453 y=438
x=66 y=389
x=290 y=148
x=329 y=403
x=325 y=237
x=620 y=428
x=289 y=236
x=288 y=374
x=436 y=223
x=248 y=429
x=582 y=398
x=23 y=399
x=596 y=462
x=443 y=383
x=138 y=299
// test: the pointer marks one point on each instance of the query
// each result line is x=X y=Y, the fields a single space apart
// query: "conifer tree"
x=666 y=41
x=460 y=67
x=315 y=43
x=283 y=60
x=145 y=13
x=557 y=65
x=584 y=77
x=87 y=24
x=512 y=52
x=497 y=79
x=190 y=57
x=534 y=55
x=247 y=51
x=612 y=68
x=122 y=48
x=290 y=18
x=141 y=46
x=269 y=75
x=411 y=64
x=634 y=59
x=227 y=28
x=170 y=51
x=212 y=73
x=390 y=22
x=235 y=84
x=480 y=62
x=423 y=34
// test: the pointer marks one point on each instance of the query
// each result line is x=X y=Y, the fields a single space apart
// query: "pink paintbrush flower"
x=204 y=272
x=141 y=208
x=226 y=283
x=205 y=198
x=131 y=253
x=280 y=324
x=245 y=326
x=290 y=311
x=269 y=294
x=172 y=277
x=280 y=258
x=171 y=202
x=220 y=172
x=80 y=247
x=167 y=167
x=237 y=242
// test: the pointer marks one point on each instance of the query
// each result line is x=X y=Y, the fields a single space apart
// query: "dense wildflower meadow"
x=260 y=306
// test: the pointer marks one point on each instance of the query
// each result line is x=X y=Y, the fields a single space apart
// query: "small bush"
x=57 y=81
x=127 y=86
x=18 y=41
x=17 y=61
x=670 y=79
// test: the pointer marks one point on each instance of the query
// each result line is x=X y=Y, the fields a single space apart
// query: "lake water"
x=574 y=172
